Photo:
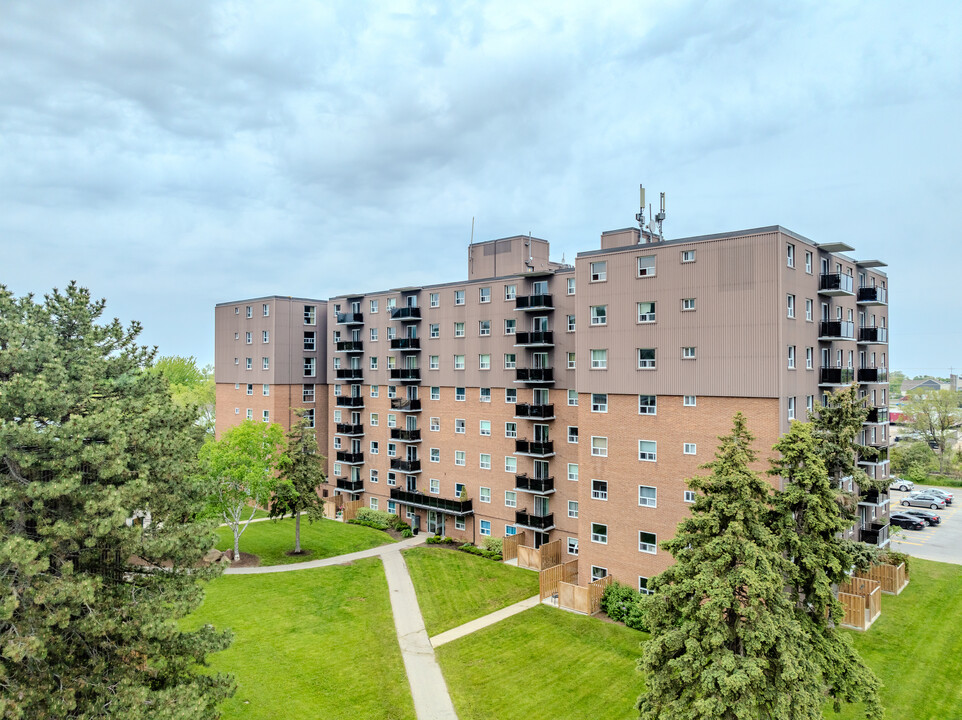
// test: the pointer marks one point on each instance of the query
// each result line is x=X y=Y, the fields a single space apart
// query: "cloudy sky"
x=174 y=155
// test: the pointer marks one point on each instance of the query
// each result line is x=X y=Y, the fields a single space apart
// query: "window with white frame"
x=484 y=294
x=647 y=450
x=808 y=262
x=791 y=305
x=599 y=533
x=510 y=464
x=646 y=312
x=485 y=527
x=434 y=424
x=374 y=420
x=647 y=405
x=790 y=255
x=373 y=307
x=791 y=408
x=459 y=329
x=571 y=361
x=572 y=434
x=643 y=585
x=374 y=503
x=459 y=523
x=266 y=363
x=687 y=304
x=337 y=442
x=809 y=404
x=571 y=323
x=599 y=489
x=646 y=358
x=309 y=366
x=646 y=266
x=485 y=461
x=265 y=416
x=249 y=337
x=459 y=426
x=266 y=309
x=307 y=393
x=392 y=479
x=375 y=390
x=511 y=395
x=689 y=496
x=809 y=357
x=571 y=286
x=484 y=494
x=647 y=496
x=459 y=297
x=599 y=446
x=484 y=327
x=250 y=414
x=689 y=401
x=265 y=390
x=689 y=448
x=435 y=299
x=374 y=447
x=434 y=330
x=435 y=455
x=647 y=542
x=510 y=326
x=687 y=256
x=391 y=420
x=484 y=361
x=511 y=429
x=459 y=362
x=266 y=336
x=459 y=457
x=434 y=486
x=808 y=309
x=391 y=303
x=572 y=546
x=599 y=314
x=572 y=508
x=435 y=392
x=510 y=530
x=373 y=362
x=510 y=292
x=373 y=334
x=250 y=388
x=599 y=271
x=485 y=395
x=599 y=402
x=434 y=362
x=573 y=472
x=510 y=498
x=688 y=352
x=572 y=398
x=791 y=357
x=599 y=359
x=459 y=394
x=485 y=428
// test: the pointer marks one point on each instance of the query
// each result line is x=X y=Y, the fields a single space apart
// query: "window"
x=265 y=416
x=791 y=306
x=599 y=489
x=373 y=503
x=459 y=362
x=250 y=414
x=687 y=256
x=375 y=391
x=510 y=292
x=310 y=313
x=484 y=361
x=790 y=255
x=309 y=342
x=435 y=330
x=510 y=498
x=435 y=300
x=791 y=357
x=485 y=395
x=572 y=508
x=374 y=447
x=689 y=449
x=459 y=426
x=373 y=362
x=374 y=476
x=809 y=358
x=391 y=303
x=250 y=388
x=459 y=297
x=646 y=266
x=249 y=338
x=337 y=442
x=485 y=527
x=459 y=523
x=510 y=361
x=808 y=262
x=435 y=392
x=391 y=420
x=572 y=434
x=647 y=542
x=250 y=311
x=373 y=334
x=688 y=353
x=266 y=363
x=571 y=286
x=511 y=395
x=373 y=306
x=599 y=534
x=571 y=361
x=510 y=326
x=647 y=496
x=599 y=446
x=435 y=454
x=459 y=394
x=484 y=295
x=689 y=496
x=808 y=309
x=266 y=336
x=374 y=420
x=236 y=312
x=511 y=429
x=599 y=314
x=599 y=402
x=391 y=479
x=647 y=405
x=571 y=323
x=687 y=304
x=392 y=449
x=307 y=393
x=459 y=457
x=484 y=327
x=309 y=365
x=573 y=398
x=510 y=530
x=484 y=494
x=791 y=408
x=459 y=329
x=485 y=428
x=647 y=450
x=572 y=546
x=646 y=358
x=510 y=464
x=434 y=362
x=485 y=461
x=599 y=271
x=599 y=359
x=646 y=312
x=434 y=486
x=809 y=403
x=265 y=390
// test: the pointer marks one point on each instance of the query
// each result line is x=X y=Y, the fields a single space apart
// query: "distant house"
x=930 y=383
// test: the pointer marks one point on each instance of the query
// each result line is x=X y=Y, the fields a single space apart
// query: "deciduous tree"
x=933 y=413
x=190 y=386
x=301 y=472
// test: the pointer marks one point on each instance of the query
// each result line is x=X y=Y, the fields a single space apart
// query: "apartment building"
x=572 y=402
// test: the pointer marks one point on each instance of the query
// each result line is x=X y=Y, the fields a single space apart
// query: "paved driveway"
x=941 y=542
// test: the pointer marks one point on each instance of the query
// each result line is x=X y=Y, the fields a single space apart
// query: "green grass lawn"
x=325 y=538
x=545 y=663
x=915 y=647
x=309 y=644
x=454 y=587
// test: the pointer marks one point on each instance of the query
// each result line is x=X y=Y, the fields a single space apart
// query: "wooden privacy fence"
x=509 y=546
x=350 y=508
x=892 y=578
x=585 y=600
x=854 y=607
x=549 y=578
x=550 y=554
x=330 y=510
x=540 y=558
x=529 y=557
x=870 y=591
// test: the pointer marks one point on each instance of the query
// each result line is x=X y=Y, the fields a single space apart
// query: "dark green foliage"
x=622 y=603
x=301 y=473
x=438 y=540
x=914 y=461
x=407 y=533
x=381 y=520
x=837 y=425
x=480 y=552
x=90 y=442
x=893 y=557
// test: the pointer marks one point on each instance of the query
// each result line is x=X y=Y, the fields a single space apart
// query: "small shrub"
x=368 y=523
x=378 y=516
x=493 y=544
x=481 y=552
x=438 y=540
x=893 y=557
x=407 y=533
x=622 y=603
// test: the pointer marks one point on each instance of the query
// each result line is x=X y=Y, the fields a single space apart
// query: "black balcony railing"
x=533 y=302
x=351 y=458
x=836 y=330
x=873 y=496
x=526 y=447
x=350 y=318
x=874 y=533
x=405 y=435
x=348 y=401
x=406 y=343
x=836 y=284
x=873 y=295
x=873 y=375
x=836 y=376
x=349 y=429
x=408 y=466
x=406 y=374
x=539 y=337
x=534 y=484
x=535 y=522
x=431 y=502
x=349 y=374
x=538 y=412
x=348 y=346
x=535 y=375
x=875 y=335
x=354 y=486
x=878 y=416
x=406 y=313
x=406 y=405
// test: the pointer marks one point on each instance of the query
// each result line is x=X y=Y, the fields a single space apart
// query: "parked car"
x=947 y=496
x=924 y=500
x=906 y=521
x=898 y=483
x=928 y=516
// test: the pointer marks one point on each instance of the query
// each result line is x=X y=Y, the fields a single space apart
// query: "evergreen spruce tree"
x=98 y=543
x=301 y=473
x=837 y=425
x=725 y=640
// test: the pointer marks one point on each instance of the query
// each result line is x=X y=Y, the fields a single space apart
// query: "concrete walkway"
x=328 y=562
x=483 y=622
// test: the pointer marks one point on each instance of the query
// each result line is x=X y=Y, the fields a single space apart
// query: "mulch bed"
x=291 y=553
x=246 y=560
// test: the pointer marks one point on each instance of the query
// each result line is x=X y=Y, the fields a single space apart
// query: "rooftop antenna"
x=660 y=218
x=530 y=263
x=472 y=230
x=640 y=215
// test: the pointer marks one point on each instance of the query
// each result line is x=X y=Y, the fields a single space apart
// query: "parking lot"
x=941 y=542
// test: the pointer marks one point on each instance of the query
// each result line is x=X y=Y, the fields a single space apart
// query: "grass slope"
x=454 y=587
x=325 y=538
x=309 y=644
x=545 y=663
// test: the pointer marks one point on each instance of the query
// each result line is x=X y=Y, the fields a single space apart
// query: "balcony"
x=406 y=466
x=351 y=486
x=879 y=376
x=349 y=318
x=348 y=401
x=878 y=442
x=835 y=284
x=348 y=346
x=873 y=296
x=406 y=375
x=877 y=416
x=874 y=534
x=534 y=449
x=407 y=314
x=524 y=411
x=539 y=338
x=405 y=405
x=873 y=335
x=875 y=498
x=836 y=330
x=533 y=302
x=541 y=523
x=881 y=459
x=836 y=376
x=431 y=502
x=408 y=436
x=537 y=485
x=535 y=375
x=349 y=458
x=408 y=344
x=349 y=374
x=349 y=429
